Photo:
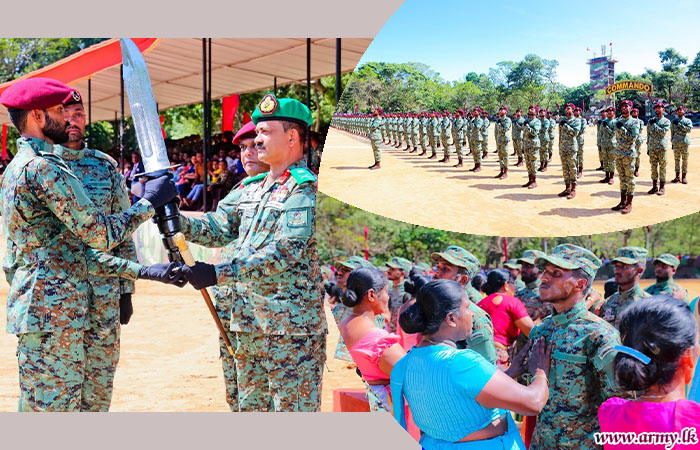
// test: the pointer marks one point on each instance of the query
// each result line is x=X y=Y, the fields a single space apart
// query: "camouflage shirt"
x=518 y=125
x=375 y=125
x=581 y=378
x=502 y=129
x=49 y=220
x=531 y=130
x=680 y=129
x=607 y=133
x=656 y=134
x=397 y=297
x=481 y=339
x=668 y=287
x=568 y=130
x=275 y=265
x=530 y=295
x=626 y=135
x=614 y=304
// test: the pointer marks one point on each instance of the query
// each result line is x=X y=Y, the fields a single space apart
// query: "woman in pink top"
x=374 y=350
x=657 y=359
x=508 y=314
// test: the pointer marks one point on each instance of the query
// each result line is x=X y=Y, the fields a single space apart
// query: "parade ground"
x=425 y=192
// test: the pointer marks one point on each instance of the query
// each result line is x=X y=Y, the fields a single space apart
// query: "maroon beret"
x=570 y=105
x=578 y=109
x=634 y=110
x=681 y=107
x=661 y=104
x=626 y=102
x=38 y=93
x=533 y=107
x=503 y=107
x=611 y=108
x=245 y=130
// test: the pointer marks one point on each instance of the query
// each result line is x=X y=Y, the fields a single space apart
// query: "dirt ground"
x=432 y=194
x=169 y=356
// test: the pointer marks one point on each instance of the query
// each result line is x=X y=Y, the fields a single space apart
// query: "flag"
x=229 y=106
x=4 y=141
x=246 y=118
x=505 y=248
x=366 y=247
x=357 y=107
x=611 y=44
x=162 y=129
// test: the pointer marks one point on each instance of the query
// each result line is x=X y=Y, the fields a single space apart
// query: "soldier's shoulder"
x=302 y=175
x=255 y=179
x=101 y=156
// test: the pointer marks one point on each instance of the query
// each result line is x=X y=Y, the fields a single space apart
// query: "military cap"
x=461 y=111
x=534 y=107
x=503 y=107
x=518 y=110
x=290 y=109
x=399 y=263
x=681 y=107
x=38 y=93
x=570 y=105
x=424 y=267
x=383 y=267
x=578 y=109
x=668 y=259
x=459 y=257
x=659 y=105
x=247 y=129
x=634 y=110
x=630 y=255
x=529 y=256
x=572 y=257
x=353 y=263
x=512 y=264
x=626 y=102
x=611 y=108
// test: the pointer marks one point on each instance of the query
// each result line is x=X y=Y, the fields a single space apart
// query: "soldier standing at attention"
x=424 y=120
x=278 y=315
x=485 y=134
x=583 y=350
x=625 y=157
x=502 y=133
x=530 y=274
x=552 y=128
x=398 y=269
x=416 y=132
x=607 y=143
x=634 y=112
x=657 y=144
x=518 y=123
x=50 y=223
x=665 y=267
x=531 y=145
x=446 y=136
x=432 y=122
x=580 y=137
x=630 y=263
x=568 y=131
x=515 y=268
x=599 y=130
x=375 y=136
x=544 y=140
x=477 y=138
x=458 y=135
x=680 y=128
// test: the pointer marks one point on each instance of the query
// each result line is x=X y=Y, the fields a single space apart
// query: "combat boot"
x=520 y=162
x=539 y=169
x=677 y=179
x=661 y=190
x=599 y=168
x=423 y=152
x=529 y=181
x=623 y=202
x=484 y=155
x=445 y=159
x=572 y=194
x=565 y=192
x=476 y=168
x=376 y=165
x=514 y=154
x=533 y=185
x=546 y=163
x=433 y=156
x=654 y=189
x=459 y=163
x=606 y=179
x=415 y=149
x=505 y=174
x=408 y=147
x=612 y=178
x=499 y=174
x=580 y=171
x=636 y=171
x=684 y=180
x=628 y=205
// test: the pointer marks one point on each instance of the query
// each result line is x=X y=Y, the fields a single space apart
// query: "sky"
x=455 y=37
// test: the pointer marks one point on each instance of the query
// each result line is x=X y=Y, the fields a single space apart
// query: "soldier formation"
x=579 y=324
x=618 y=139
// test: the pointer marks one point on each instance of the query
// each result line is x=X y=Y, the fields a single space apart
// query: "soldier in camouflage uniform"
x=530 y=274
x=518 y=124
x=680 y=128
x=416 y=132
x=543 y=135
x=50 y=222
x=625 y=157
x=531 y=145
x=580 y=138
x=657 y=144
x=552 y=128
x=477 y=124
x=665 y=266
x=502 y=133
x=599 y=130
x=583 y=349
x=458 y=131
x=634 y=112
x=485 y=134
x=424 y=139
x=446 y=136
x=514 y=268
x=433 y=134
x=630 y=263
x=398 y=268
x=568 y=145
x=457 y=264
x=375 y=126
x=278 y=316
x=608 y=142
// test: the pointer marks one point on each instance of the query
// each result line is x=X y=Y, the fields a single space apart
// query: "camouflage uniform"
x=485 y=134
x=518 y=136
x=278 y=317
x=581 y=374
x=657 y=144
x=106 y=188
x=550 y=144
x=433 y=131
x=437 y=130
x=397 y=294
x=599 y=131
x=446 y=135
x=638 y=144
x=502 y=133
x=668 y=287
x=49 y=220
x=424 y=140
x=614 y=304
x=680 y=128
x=568 y=145
x=375 y=137
x=580 y=138
x=477 y=138
x=543 y=134
x=607 y=144
x=415 y=124
x=458 y=135
x=531 y=143
x=625 y=153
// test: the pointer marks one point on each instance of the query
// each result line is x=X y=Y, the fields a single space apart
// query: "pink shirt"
x=619 y=415
x=503 y=315
x=367 y=351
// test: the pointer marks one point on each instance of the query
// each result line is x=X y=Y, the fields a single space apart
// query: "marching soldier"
x=416 y=139
x=630 y=263
x=625 y=157
x=680 y=128
x=502 y=133
x=665 y=266
x=543 y=135
x=657 y=144
x=568 y=144
x=424 y=133
x=433 y=124
x=531 y=145
x=599 y=131
x=607 y=143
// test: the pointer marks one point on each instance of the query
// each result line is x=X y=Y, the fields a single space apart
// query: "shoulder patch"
x=100 y=155
x=258 y=177
x=302 y=175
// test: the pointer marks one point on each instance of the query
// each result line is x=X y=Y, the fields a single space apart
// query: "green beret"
x=290 y=109
x=668 y=259
x=571 y=257
x=631 y=255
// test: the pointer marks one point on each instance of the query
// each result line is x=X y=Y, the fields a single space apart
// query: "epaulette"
x=54 y=158
x=100 y=155
x=249 y=180
x=302 y=175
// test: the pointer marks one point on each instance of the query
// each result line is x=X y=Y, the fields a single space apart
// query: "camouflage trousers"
x=485 y=144
x=476 y=151
x=680 y=153
x=600 y=155
x=518 y=147
x=223 y=296
x=446 y=142
x=433 y=143
x=569 y=165
x=375 y=149
x=638 y=148
x=530 y=152
x=625 y=169
x=579 y=142
x=608 y=158
x=458 y=147
x=544 y=152
x=378 y=397
x=279 y=372
x=101 y=357
x=657 y=158
x=424 y=141
x=502 y=151
x=51 y=370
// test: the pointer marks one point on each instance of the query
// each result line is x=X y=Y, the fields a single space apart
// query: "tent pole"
x=308 y=96
x=274 y=89
x=121 y=120
x=205 y=120
x=337 y=72
x=89 y=143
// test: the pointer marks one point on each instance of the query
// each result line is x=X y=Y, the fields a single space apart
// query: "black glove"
x=333 y=290
x=126 y=309
x=618 y=124
x=201 y=275
x=562 y=122
x=652 y=120
x=160 y=191
x=169 y=273
x=676 y=121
